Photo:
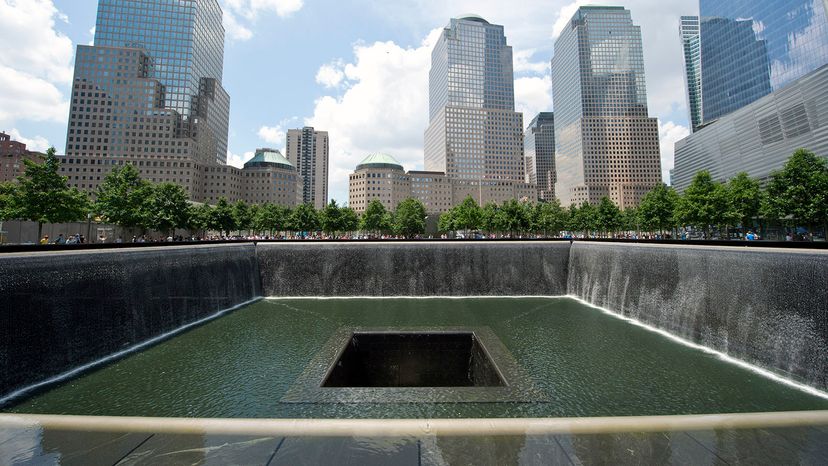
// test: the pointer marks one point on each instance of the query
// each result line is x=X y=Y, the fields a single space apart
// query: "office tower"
x=539 y=147
x=605 y=142
x=689 y=32
x=750 y=48
x=307 y=150
x=150 y=87
x=474 y=132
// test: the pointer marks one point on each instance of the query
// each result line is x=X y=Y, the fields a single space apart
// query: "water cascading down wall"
x=62 y=310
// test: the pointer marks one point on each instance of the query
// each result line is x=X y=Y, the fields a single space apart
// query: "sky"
x=355 y=68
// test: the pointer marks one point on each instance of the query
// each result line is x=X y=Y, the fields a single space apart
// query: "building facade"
x=308 y=151
x=474 y=133
x=12 y=155
x=605 y=142
x=760 y=137
x=382 y=177
x=691 y=45
x=539 y=149
x=750 y=48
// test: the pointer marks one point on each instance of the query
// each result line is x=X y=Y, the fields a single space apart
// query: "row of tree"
x=796 y=195
x=125 y=199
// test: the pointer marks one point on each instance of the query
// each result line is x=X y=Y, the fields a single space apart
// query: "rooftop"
x=268 y=157
x=379 y=160
x=473 y=17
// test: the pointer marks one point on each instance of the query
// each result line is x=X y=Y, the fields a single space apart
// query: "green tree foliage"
x=489 y=218
x=514 y=217
x=350 y=219
x=583 y=218
x=241 y=215
x=746 y=197
x=608 y=216
x=466 y=215
x=631 y=220
x=446 y=221
x=222 y=218
x=123 y=198
x=305 y=218
x=199 y=218
x=168 y=208
x=376 y=218
x=549 y=218
x=43 y=195
x=331 y=218
x=800 y=190
x=409 y=219
x=8 y=196
x=272 y=218
x=657 y=208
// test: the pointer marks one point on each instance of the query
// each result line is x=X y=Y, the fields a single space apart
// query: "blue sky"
x=356 y=68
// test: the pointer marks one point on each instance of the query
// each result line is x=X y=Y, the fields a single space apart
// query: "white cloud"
x=330 y=75
x=384 y=108
x=273 y=135
x=532 y=96
x=27 y=97
x=237 y=160
x=92 y=36
x=668 y=134
x=39 y=50
x=37 y=143
x=250 y=11
x=522 y=63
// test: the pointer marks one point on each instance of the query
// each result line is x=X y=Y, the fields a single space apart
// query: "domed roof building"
x=379 y=176
x=269 y=158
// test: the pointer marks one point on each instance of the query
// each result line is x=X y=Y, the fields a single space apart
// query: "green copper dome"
x=473 y=17
x=379 y=160
x=268 y=157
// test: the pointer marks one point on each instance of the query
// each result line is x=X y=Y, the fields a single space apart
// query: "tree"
x=489 y=215
x=800 y=190
x=657 y=208
x=746 y=197
x=123 y=197
x=331 y=218
x=43 y=195
x=272 y=218
x=305 y=218
x=350 y=219
x=466 y=215
x=241 y=216
x=375 y=219
x=608 y=216
x=549 y=217
x=254 y=214
x=199 y=218
x=514 y=217
x=8 y=197
x=409 y=219
x=704 y=203
x=446 y=221
x=630 y=219
x=583 y=218
x=222 y=218
x=168 y=208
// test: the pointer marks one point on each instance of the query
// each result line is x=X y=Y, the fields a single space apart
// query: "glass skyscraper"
x=154 y=58
x=750 y=48
x=689 y=32
x=605 y=142
x=539 y=149
x=474 y=132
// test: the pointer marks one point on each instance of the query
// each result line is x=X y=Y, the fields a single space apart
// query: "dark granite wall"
x=414 y=269
x=768 y=307
x=62 y=310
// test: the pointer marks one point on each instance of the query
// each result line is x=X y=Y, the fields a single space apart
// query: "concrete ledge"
x=766 y=307
x=63 y=310
x=414 y=269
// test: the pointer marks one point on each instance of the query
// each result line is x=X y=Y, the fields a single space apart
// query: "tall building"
x=307 y=150
x=539 y=147
x=474 y=132
x=689 y=32
x=605 y=142
x=750 y=48
x=150 y=87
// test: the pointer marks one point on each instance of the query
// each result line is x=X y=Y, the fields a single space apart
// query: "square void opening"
x=384 y=359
